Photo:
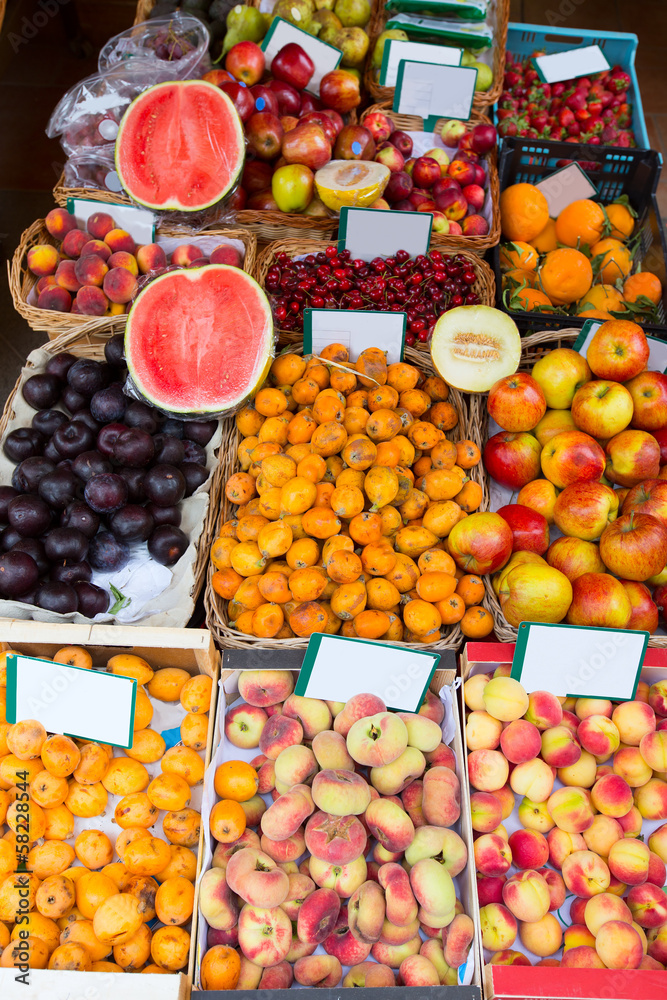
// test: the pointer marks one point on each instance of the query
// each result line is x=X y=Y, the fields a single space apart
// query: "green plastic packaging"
x=469 y=34
x=469 y=10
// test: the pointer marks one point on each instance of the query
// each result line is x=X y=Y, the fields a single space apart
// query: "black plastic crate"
x=614 y=171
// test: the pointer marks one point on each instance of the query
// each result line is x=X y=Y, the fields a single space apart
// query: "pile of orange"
x=580 y=263
x=348 y=490
x=86 y=896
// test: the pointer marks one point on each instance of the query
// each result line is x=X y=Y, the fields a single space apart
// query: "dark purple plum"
x=173 y=426
x=195 y=475
x=165 y=485
x=200 y=431
x=106 y=553
x=79 y=515
x=114 y=350
x=142 y=416
x=194 y=452
x=73 y=438
x=135 y=483
x=131 y=523
x=70 y=571
x=66 y=543
x=29 y=515
x=85 y=417
x=48 y=421
x=164 y=515
x=35 y=549
x=8 y=538
x=87 y=377
x=92 y=600
x=22 y=443
x=73 y=400
x=106 y=493
x=57 y=597
x=7 y=494
x=18 y=574
x=42 y=391
x=30 y=597
x=52 y=453
x=169 y=450
x=167 y=544
x=108 y=405
x=107 y=438
x=27 y=476
x=59 y=488
x=134 y=448
x=59 y=365
x=90 y=463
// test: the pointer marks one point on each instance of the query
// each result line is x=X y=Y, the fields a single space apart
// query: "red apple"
x=644 y=612
x=309 y=103
x=337 y=119
x=648 y=497
x=426 y=172
x=452 y=132
x=444 y=184
x=307 y=144
x=632 y=456
x=245 y=61
x=483 y=139
x=475 y=225
x=354 y=143
x=237 y=200
x=409 y=164
x=512 y=459
x=256 y=176
x=264 y=134
x=618 y=350
x=634 y=546
x=426 y=206
x=391 y=158
x=404 y=205
x=454 y=228
x=402 y=141
x=649 y=396
x=462 y=171
x=265 y=99
x=325 y=123
x=218 y=76
x=340 y=90
x=602 y=408
x=262 y=201
x=399 y=187
x=441 y=223
x=530 y=531
x=599 y=600
x=572 y=457
x=379 y=126
x=241 y=98
x=288 y=122
x=293 y=65
x=516 y=402
x=452 y=204
x=440 y=156
x=421 y=198
x=480 y=175
x=481 y=543
x=584 y=509
x=289 y=99
x=475 y=196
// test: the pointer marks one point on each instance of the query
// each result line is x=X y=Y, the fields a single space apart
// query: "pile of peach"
x=355 y=851
x=588 y=773
x=349 y=495
x=98 y=271
x=86 y=902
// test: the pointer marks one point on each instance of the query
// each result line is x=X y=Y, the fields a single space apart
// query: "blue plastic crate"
x=618 y=47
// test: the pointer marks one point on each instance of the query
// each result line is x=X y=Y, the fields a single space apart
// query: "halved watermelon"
x=180 y=146
x=199 y=340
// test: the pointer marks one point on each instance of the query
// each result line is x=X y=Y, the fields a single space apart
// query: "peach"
x=382 y=856
x=90 y=301
x=446 y=845
x=343 y=944
x=653 y=749
x=598 y=735
x=473 y=689
x=59 y=222
x=511 y=957
x=120 y=239
x=657 y=943
x=648 y=905
x=43 y=259
x=395 y=935
x=278 y=977
x=556 y=887
x=119 y=285
x=650 y=963
x=369 y=974
x=578 y=935
x=657 y=842
x=631 y=823
x=577 y=910
x=318 y=970
x=313 y=714
x=90 y=270
x=366 y=912
x=490 y=888
x=505 y=796
x=96 y=248
x=633 y=719
x=99 y=224
x=651 y=799
x=602 y=833
x=441 y=802
x=254 y=809
x=434 y=890
x=377 y=740
x=400 y=901
x=630 y=765
x=482 y=731
x=505 y=699
x=393 y=955
x=261 y=687
x=570 y=720
x=423 y=733
x=216 y=901
x=584 y=707
x=294 y=766
x=520 y=741
x=358 y=707
x=417 y=970
x=344 y=879
x=535 y=816
x=585 y=874
x=338 y=840
x=317 y=916
x=330 y=750
x=298 y=950
x=529 y=849
x=493 y=855
x=657 y=697
x=533 y=779
x=391 y=779
x=611 y=795
x=340 y=792
x=619 y=945
x=526 y=895
x=657 y=870
x=74 y=242
x=628 y=861
x=265 y=934
x=284 y=816
x=544 y=710
x=412 y=797
x=604 y=907
x=488 y=770
x=583 y=774
x=256 y=878
x=55 y=298
x=498 y=927
x=124 y=260
x=570 y=809
x=542 y=937
x=485 y=812
x=279 y=732
x=300 y=887
x=223 y=852
x=559 y=747
x=244 y=725
x=442 y=756
x=65 y=276
x=389 y=824
x=151 y=257
x=581 y=957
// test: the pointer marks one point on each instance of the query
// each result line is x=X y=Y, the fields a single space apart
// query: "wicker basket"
x=217 y=619
x=88 y=342
x=484 y=287
x=482 y=99
x=22 y=281
x=474 y=244
x=533 y=348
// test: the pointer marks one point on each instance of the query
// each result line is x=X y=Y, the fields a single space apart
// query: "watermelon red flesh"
x=180 y=146
x=198 y=341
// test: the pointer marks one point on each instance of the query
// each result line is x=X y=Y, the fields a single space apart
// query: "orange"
x=267 y=621
x=547 y=239
x=516 y=279
x=452 y=609
x=421 y=617
x=270 y=402
x=524 y=212
x=622 y=219
x=436 y=560
x=435 y=586
x=220 y=968
x=518 y=255
x=642 y=284
x=603 y=298
x=371 y=624
x=566 y=275
x=344 y=567
x=240 y=488
x=226 y=582
x=227 y=821
x=308 y=618
x=476 y=623
x=581 y=223
x=237 y=780
x=530 y=300
x=615 y=262
x=471 y=589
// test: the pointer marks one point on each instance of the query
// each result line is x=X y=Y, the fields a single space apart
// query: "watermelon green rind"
x=187 y=159
x=199 y=341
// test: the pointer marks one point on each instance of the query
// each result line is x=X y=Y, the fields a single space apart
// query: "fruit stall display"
x=568 y=807
x=574 y=459
x=600 y=109
x=93 y=484
x=599 y=258
x=64 y=277
x=384 y=886
x=337 y=520
x=114 y=837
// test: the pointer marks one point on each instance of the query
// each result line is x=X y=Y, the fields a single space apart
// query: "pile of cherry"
x=96 y=472
x=423 y=287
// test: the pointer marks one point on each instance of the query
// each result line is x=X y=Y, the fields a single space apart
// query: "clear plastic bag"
x=178 y=41
x=95 y=169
